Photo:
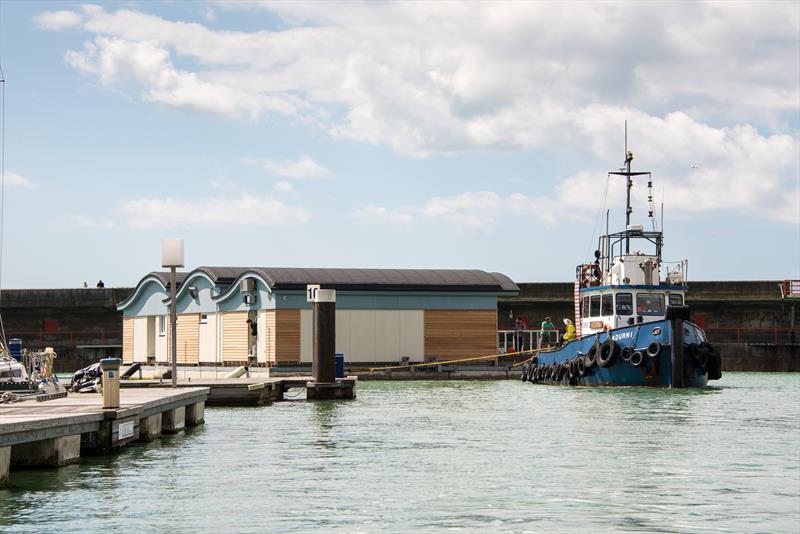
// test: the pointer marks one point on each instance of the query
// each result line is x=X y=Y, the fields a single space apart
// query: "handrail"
x=67 y=335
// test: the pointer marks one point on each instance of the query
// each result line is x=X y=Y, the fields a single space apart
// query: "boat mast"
x=628 y=209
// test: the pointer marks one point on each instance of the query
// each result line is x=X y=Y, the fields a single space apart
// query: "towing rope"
x=532 y=352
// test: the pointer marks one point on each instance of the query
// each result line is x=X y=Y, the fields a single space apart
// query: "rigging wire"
x=2 y=171
x=598 y=220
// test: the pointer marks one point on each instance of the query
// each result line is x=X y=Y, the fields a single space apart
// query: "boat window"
x=624 y=304
x=585 y=308
x=607 y=306
x=649 y=304
x=595 y=306
x=676 y=299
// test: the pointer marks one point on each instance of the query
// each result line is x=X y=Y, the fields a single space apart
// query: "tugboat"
x=632 y=328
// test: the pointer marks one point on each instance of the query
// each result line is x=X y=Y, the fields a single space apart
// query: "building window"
x=624 y=304
x=203 y=318
x=594 y=306
x=607 y=306
x=162 y=325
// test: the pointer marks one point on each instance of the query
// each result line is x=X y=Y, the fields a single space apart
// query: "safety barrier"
x=773 y=336
x=521 y=340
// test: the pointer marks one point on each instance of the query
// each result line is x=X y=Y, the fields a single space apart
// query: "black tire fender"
x=653 y=349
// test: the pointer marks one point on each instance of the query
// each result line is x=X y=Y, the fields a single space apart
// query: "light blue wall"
x=204 y=302
x=234 y=300
x=148 y=301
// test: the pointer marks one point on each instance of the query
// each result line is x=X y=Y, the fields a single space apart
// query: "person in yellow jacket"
x=570 y=333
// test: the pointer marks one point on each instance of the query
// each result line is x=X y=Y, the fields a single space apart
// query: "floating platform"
x=55 y=432
x=249 y=391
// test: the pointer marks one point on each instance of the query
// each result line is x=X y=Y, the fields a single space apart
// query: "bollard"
x=110 y=382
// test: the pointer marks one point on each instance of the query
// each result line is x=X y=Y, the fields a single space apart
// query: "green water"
x=437 y=456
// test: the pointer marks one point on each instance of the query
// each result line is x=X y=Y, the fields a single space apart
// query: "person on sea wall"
x=100 y=284
x=570 y=334
x=546 y=333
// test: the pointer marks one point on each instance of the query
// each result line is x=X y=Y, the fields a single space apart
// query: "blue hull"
x=639 y=355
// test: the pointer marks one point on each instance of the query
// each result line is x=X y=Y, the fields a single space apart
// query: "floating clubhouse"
x=259 y=315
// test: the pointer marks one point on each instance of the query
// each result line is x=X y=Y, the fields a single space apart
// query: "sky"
x=459 y=135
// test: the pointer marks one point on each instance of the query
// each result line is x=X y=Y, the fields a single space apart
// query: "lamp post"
x=172 y=257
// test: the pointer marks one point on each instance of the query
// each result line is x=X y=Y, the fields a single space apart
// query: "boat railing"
x=521 y=340
x=675 y=272
x=764 y=336
x=31 y=338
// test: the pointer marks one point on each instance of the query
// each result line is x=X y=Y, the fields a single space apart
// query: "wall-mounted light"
x=510 y=314
x=193 y=292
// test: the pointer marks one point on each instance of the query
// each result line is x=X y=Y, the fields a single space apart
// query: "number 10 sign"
x=315 y=294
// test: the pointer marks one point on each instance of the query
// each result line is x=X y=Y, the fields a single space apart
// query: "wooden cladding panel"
x=454 y=334
x=188 y=336
x=287 y=336
x=127 y=340
x=270 y=335
x=234 y=336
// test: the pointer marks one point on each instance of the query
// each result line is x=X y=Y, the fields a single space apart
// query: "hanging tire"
x=591 y=355
x=607 y=353
x=581 y=366
x=626 y=353
x=572 y=369
x=653 y=349
x=524 y=375
x=701 y=358
x=637 y=358
x=559 y=372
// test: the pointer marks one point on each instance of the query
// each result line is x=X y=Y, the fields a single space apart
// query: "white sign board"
x=311 y=292
x=315 y=294
x=126 y=430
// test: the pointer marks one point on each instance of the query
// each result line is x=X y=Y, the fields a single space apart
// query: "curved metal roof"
x=366 y=279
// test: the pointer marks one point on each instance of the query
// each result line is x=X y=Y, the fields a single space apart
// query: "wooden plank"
x=287 y=336
x=188 y=335
x=270 y=336
x=454 y=334
x=234 y=336
x=127 y=340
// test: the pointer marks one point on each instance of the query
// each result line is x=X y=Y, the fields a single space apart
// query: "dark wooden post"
x=323 y=368
x=676 y=342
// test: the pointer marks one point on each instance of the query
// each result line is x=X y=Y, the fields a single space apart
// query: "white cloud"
x=15 y=180
x=442 y=77
x=283 y=186
x=247 y=210
x=82 y=221
x=57 y=20
x=299 y=169
x=375 y=215
x=429 y=78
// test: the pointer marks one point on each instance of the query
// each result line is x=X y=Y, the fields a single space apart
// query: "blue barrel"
x=339 y=365
x=15 y=348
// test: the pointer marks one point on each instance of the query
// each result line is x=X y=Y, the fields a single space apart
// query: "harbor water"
x=495 y=456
